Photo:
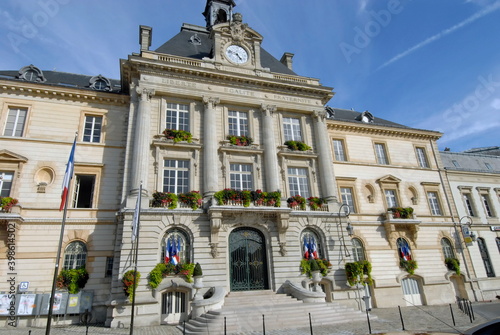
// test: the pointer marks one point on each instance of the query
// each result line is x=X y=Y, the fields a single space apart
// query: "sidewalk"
x=416 y=319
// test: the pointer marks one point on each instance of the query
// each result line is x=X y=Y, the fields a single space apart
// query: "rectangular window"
x=456 y=163
x=422 y=158
x=381 y=154
x=291 y=129
x=488 y=166
x=177 y=117
x=15 y=122
x=241 y=177
x=338 y=150
x=434 y=203
x=391 y=198
x=84 y=191
x=468 y=204
x=486 y=202
x=109 y=267
x=347 y=198
x=176 y=176
x=238 y=123
x=5 y=183
x=92 y=130
x=298 y=181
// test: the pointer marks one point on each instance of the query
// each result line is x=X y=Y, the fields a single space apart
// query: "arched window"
x=486 y=257
x=447 y=248
x=311 y=244
x=358 y=251
x=176 y=247
x=404 y=250
x=75 y=255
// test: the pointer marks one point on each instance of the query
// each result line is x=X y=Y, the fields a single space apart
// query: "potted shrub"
x=242 y=141
x=315 y=202
x=409 y=266
x=164 y=199
x=193 y=199
x=358 y=273
x=73 y=280
x=297 y=201
x=453 y=264
x=6 y=204
x=198 y=276
x=401 y=212
x=178 y=135
x=128 y=283
x=297 y=146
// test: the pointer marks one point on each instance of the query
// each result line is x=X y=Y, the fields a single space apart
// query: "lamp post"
x=349 y=228
x=465 y=225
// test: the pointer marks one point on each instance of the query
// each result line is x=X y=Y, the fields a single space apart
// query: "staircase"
x=243 y=312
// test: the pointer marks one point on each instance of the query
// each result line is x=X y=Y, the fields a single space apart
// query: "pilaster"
x=270 y=154
x=210 y=144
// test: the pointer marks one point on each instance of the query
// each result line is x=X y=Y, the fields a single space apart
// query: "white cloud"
x=477 y=16
x=495 y=104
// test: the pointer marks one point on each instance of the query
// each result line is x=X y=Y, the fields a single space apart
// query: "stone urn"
x=316 y=279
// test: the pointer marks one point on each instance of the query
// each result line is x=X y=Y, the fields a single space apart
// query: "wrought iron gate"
x=248 y=264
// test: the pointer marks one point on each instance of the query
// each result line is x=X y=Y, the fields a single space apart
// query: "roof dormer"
x=218 y=11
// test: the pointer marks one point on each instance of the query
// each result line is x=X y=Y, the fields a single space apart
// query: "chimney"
x=145 y=37
x=287 y=60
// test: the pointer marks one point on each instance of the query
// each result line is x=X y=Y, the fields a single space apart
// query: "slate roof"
x=472 y=162
x=182 y=45
x=55 y=78
x=353 y=116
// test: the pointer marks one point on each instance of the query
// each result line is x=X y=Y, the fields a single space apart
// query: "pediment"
x=9 y=156
x=389 y=179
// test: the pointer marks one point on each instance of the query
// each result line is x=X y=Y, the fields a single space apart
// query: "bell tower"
x=218 y=11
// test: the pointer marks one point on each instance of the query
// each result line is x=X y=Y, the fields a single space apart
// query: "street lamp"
x=349 y=228
x=466 y=233
x=465 y=227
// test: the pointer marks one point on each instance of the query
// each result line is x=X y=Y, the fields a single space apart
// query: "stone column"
x=270 y=155
x=142 y=140
x=325 y=159
x=210 y=145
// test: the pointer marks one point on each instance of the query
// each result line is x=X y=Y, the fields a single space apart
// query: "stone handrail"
x=301 y=293
x=216 y=301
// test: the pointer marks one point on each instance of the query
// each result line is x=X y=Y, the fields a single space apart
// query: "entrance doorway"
x=411 y=292
x=247 y=260
x=173 y=307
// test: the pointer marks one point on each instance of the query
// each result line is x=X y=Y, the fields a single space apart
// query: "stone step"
x=243 y=313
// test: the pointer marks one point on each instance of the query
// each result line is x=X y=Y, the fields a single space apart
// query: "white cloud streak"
x=477 y=16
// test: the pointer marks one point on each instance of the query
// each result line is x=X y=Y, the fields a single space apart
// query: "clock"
x=236 y=54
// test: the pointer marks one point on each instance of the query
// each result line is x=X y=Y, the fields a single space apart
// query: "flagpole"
x=135 y=238
x=61 y=236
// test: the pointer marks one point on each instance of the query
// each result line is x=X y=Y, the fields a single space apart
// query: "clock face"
x=236 y=54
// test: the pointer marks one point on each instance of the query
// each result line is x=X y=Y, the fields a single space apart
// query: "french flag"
x=167 y=252
x=306 y=249
x=68 y=176
x=406 y=253
x=174 y=254
x=314 y=250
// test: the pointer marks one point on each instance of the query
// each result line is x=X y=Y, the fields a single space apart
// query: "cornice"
x=62 y=93
x=201 y=71
x=375 y=129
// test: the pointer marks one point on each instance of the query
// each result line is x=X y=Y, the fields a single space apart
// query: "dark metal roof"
x=472 y=162
x=63 y=79
x=353 y=116
x=182 y=45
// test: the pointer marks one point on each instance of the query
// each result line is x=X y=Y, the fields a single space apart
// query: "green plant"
x=187 y=269
x=358 y=273
x=453 y=264
x=197 y=270
x=315 y=202
x=240 y=140
x=193 y=199
x=401 y=212
x=297 y=145
x=297 y=200
x=161 y=270
x=307 y=267
x=314 y=265
x=164 y=199
x=128 y=283
x=409 y=266
x=74 y=279
x=178 y=135
x=6 y=203
x=156 y=275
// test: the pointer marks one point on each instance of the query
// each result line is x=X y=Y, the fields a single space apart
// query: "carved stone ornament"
x=213 y=250
x=320 y=116
x=283 y=250
x=238 y=28
x=145 y=93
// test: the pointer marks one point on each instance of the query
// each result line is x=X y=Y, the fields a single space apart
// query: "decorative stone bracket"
x=395 y=228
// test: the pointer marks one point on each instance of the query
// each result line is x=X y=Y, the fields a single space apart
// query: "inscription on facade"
x=291 y=99
x=239 y=92
x=178 y=83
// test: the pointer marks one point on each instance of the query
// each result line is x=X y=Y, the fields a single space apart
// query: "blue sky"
x=428 y=64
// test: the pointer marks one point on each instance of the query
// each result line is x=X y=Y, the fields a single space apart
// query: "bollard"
x=184 y=327
x=225 y=326
x=471 y=310
x=369 y=325
x=452 y=316
x=310 y=324
x=263 y=325
x=401 y=317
